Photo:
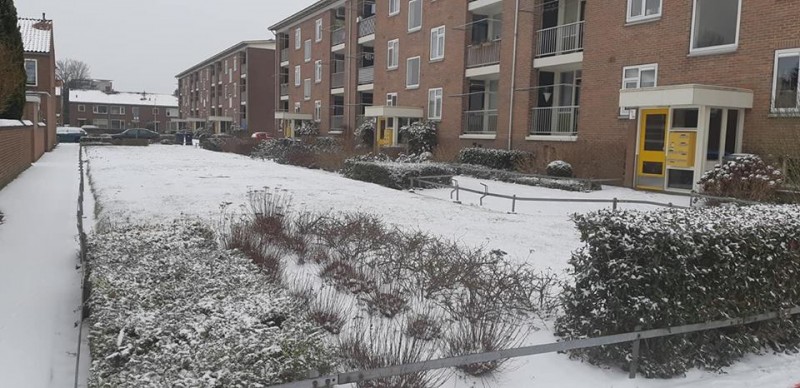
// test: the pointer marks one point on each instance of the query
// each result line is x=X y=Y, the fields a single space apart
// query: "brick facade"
x=120 y=111
x=16 y=152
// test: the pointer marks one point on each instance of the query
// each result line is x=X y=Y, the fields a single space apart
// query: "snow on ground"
x=39 y=285
x=164 y=182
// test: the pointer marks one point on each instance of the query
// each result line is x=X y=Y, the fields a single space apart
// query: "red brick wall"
x=16 y=152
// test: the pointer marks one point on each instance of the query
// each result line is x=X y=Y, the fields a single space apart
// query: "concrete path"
x=39 y=279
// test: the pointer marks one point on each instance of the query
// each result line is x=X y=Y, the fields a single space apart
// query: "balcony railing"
x=337 y=123
x=366 y=75
x=560 y=40
x=366 y=26
x=284 y=89
x=284 y=55
x=480 y=121
x=483 y=54
x=337 y=80
x=555 y=121
x=338 y=36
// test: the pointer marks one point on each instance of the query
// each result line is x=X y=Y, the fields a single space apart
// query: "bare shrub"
x=298 y=288
x=346 y=277
x=330 y=311
x=244 y=238
x=389 y=303
x=426 y=325
x=353 y=235
x=479 y=336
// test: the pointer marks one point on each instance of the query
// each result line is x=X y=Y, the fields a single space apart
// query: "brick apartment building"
x=647 y=91
x=118 y=111
x=232 y=90
x=40 y=69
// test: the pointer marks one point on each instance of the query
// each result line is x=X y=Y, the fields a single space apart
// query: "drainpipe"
x=513 y=75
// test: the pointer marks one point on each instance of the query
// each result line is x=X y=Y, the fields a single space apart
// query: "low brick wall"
x=16 y=151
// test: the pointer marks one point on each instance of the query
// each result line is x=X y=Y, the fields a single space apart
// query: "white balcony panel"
x=566 y=62
x=483 y=71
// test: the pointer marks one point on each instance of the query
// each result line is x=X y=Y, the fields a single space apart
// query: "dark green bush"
x=493 y=158
x=395 y=175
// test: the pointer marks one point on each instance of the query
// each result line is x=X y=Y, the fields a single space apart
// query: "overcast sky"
x=142 y=44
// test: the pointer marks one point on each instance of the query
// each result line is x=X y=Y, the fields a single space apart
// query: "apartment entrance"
x=650 y=169
x=389 y=120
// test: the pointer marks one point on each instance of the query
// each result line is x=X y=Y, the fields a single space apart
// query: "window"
x=118 y=110
x=435 y=104
x=318 y=71
x=437 y=43
x=414 y=15
x=412 y=73
x=307 y=89
x=642 y=76
x=101 y=123
x=394 y=7
x=307 y=50
x=786 y=83
x=298 y=38
x=391 y=99
x=297 y=75
x=81 y=108
x=643 y=10
x=318 y=111
x=100 y=109
x=715 y=25
x=135 y=113
x=31 y=72
x=318 y=31
x=393 y=54
x=117 y=124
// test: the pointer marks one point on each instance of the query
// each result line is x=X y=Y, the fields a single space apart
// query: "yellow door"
x=385 y=135
x=651 y=168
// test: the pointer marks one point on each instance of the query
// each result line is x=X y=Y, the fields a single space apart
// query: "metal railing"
x=483 y=54
x=366 y=26
x=366 y=75
x=337 y=80
x=480 y=121
x=555 y=120
x=284 y=89
x=634 y=338
x=337 y=123
x=559 y=40
x=338 y=36
x=284 y=55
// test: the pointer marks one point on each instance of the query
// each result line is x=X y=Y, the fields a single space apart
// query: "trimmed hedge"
x=670 y=268
x=395 y=175
x=493 y=158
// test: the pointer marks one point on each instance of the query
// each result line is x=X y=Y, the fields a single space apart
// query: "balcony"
x=366 y=75
x=485 y=7
x=483 y=54
x=366 y=26
x=284 y=89
x=338 y=36
x=284 y=55
x=337 y=80
x=560 y=40
x=555 y=121
x=337 y=123
x=478 y=122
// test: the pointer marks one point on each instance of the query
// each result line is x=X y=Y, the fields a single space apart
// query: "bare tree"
x=71 y=70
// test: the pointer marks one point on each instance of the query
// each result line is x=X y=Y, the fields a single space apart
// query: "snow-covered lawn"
x=165 y=182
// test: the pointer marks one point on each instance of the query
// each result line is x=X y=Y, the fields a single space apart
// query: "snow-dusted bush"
x=560 y=168
x=493 y=158
x=420 y=135
x=2 y=218
x=482 y=172
x=746 y=177
x=365 y=132
x=307 y=128
x=485 y=334
x=395 y=175
x=670 y=268
x=285 y=151
x=170 y=308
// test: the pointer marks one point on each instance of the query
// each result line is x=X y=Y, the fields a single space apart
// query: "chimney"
x=44 y=17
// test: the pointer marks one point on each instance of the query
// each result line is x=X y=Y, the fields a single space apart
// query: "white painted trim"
x=468 y=136
x=551 y=138
x=683 y=95
x=337 y=91
x=338 y=47
x=291 y=116
x=483 y=71
x=367 y=87
x=476 y=5
x=394 y=111
x=366 y=39
x=637 y=19
x=778 y=55
x=714 y=49
x=558 y=60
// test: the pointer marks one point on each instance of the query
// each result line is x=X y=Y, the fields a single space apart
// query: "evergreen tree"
x=12 y=97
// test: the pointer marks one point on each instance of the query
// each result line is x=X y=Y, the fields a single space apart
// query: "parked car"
x=69 y=134
x=136 y=133
x=261 y=136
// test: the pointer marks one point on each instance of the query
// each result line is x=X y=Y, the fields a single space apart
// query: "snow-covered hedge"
x=170 y=308
x=493 y=158
x=365 y=132
x=560 y=168
x=481 y=172
x=670 y=268
x=395 y=175
x=307 y=128
x=421 y=136
x=746 y=177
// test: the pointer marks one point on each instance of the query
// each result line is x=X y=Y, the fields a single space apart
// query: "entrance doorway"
x=651 y=165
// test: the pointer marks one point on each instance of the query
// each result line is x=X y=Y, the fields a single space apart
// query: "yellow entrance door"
x=651 y=168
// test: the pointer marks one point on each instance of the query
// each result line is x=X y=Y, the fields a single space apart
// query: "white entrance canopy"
x=220 y=118
x=686 y=95
x=393 y=111
x=292 y=116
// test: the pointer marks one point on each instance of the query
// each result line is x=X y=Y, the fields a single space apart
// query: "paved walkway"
x=39 y=282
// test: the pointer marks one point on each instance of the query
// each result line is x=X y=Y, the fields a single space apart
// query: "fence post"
x=615 y=204
x=411 y=182
x=514 y=204
x=634 y=365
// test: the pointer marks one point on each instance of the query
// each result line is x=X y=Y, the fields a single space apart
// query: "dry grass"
x=330 y=311
x=479 y=336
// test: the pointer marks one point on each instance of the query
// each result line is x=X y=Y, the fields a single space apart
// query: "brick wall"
x=16 y=152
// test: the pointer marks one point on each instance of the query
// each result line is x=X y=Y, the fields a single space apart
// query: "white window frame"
x=409 y=74
x=120 y=110
x=35 y=72
x=638 y=18
x=307 y=51
x=393 y=54
x=437 y=43
x=394 y=7
x=318 y=111
x=391 y=99
x=307 y=89
x=318 y=31
x=81 y=108
x=297 y=76
x=640 y=68
x=435 y=103
x=714 y=49
x=318 y=71
x=411 y=14
x=96 y=109
x=298 y=38
x=782 y=54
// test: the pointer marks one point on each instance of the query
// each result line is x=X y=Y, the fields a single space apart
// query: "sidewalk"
x=39 y=281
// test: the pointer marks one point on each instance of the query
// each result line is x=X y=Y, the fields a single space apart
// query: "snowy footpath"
x=39 y=282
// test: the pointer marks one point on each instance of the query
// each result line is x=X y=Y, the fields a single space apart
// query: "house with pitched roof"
x=40 y=70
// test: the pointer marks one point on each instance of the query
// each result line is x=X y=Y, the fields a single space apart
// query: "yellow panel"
x=681 y=149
